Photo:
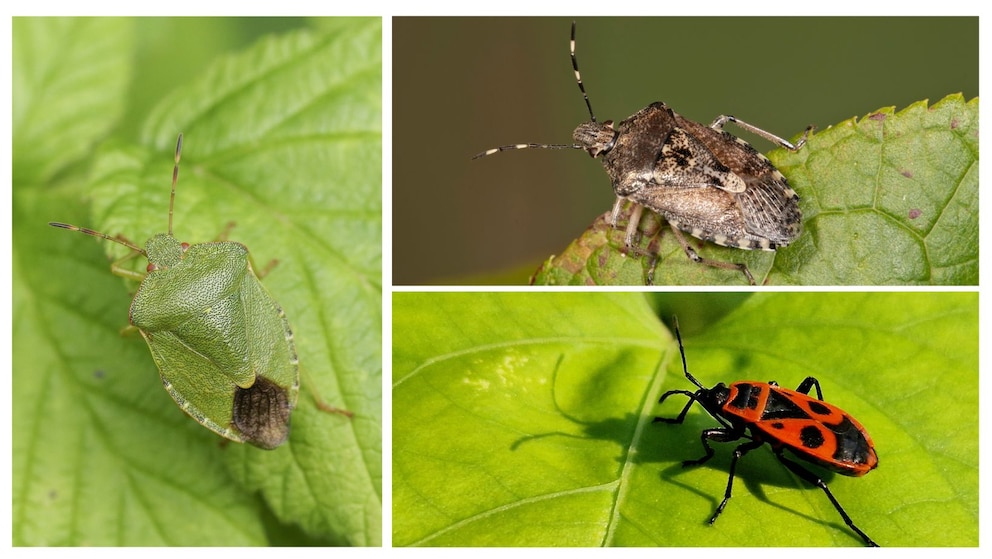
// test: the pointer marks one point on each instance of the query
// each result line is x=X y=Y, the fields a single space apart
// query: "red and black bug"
x=788 y=420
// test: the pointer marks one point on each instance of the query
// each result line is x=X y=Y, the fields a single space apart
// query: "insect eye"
x=151 y=267
x=185 y=246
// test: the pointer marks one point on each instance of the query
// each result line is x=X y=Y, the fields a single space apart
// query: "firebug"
x=788 y=420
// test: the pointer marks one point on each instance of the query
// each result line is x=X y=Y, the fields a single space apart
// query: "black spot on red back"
x=818 y=408
x=811 y=436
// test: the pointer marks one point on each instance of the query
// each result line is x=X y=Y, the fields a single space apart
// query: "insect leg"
x=720 y=436
x=738 y=452
x=810 y=382
x=120 y=271
x=811 y=478
x=262 y=272
x=723 y=119
x=615 y=214
x=632 y=224
x=653 y=249
x=226 y=232
x=685 y=410
x=223 y=236
x=691 y=253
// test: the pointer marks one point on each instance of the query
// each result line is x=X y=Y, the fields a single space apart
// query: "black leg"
x=719 y=435
x=740 y=451
x=810 y=382
x=681 y=417
x=811 y=478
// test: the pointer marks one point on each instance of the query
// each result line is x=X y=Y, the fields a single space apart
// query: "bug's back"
x=811 y=429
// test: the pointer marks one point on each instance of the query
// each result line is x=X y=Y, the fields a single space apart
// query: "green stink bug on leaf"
x=222 y=344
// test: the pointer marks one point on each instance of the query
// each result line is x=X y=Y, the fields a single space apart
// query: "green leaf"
x=888 y=200
x=69 y=80
x=524 y=419
x=284 y=140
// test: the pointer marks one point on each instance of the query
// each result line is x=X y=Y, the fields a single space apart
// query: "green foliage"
x=524 y=419
x=891 y=199
x=69 y=83
x=283 y=138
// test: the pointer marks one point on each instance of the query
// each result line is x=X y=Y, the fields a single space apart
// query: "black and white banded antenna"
x=582 y=88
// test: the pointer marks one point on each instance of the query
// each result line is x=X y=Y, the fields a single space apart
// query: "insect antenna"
x=175 y=176
x=685 y=368
x=526 y=146
x=119 y=240
x=578 y=79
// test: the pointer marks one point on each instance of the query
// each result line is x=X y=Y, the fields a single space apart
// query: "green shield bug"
x=222 y=344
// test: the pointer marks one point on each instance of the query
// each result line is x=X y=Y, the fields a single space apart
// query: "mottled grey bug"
x=700 y=179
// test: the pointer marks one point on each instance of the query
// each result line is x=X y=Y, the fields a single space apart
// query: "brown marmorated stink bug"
x=700 y=179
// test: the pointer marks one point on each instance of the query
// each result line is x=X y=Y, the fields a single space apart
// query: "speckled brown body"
x=704 y=181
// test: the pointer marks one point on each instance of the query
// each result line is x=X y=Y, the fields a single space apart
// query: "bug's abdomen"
x=702 y=181
x=813 y=430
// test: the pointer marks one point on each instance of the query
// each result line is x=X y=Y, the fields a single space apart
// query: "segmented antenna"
x=93 y=233
x=175 y=176
x=578 y=77
x=582 y=88
x=685 y=368
x=119 y=239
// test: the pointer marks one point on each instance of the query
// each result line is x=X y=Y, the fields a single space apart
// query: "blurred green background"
x=166 y=53
x=463 y=85
x=171 y=51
